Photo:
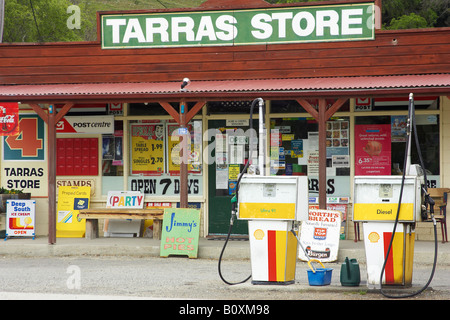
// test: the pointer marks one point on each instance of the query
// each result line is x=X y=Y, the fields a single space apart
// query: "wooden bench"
x=92 y=216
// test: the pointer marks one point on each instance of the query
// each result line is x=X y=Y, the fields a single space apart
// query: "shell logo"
x=258 y=234
x=374 y=237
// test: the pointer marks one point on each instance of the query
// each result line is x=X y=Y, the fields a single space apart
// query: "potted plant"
x=7 y=194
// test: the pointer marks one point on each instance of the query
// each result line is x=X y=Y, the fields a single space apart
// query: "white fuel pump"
x=389 y=207
x=272 y=205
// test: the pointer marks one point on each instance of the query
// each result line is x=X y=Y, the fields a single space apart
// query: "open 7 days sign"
x=238 y=27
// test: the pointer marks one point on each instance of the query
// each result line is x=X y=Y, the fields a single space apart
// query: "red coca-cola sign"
x=9 y=118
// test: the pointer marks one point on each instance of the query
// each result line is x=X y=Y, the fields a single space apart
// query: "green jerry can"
x=350 y=275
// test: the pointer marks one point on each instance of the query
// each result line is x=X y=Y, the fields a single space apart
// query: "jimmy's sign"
x=238 y=27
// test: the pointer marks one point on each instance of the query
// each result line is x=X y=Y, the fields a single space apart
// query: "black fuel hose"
x=412 y=117
x=235 y=203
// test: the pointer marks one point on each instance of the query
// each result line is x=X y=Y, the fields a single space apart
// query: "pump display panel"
x=273 y=197
x=376 y=198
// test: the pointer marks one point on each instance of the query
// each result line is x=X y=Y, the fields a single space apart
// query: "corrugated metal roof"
x=301 y=85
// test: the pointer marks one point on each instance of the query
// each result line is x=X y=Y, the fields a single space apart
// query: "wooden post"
x=183 y=155
x=322 y=154
x=51 y=175
x=51 y=119
x=183 y=119
x=322 y=115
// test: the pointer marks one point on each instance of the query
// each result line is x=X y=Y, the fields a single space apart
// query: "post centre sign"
x=238 y=27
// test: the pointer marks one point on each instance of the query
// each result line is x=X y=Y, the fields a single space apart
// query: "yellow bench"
x=92 y=216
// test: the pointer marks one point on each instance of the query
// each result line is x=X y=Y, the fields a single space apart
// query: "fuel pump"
x=389 y=207
x=272 y=205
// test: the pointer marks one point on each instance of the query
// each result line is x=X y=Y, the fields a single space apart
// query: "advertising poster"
x=20 y=218
x=147 y=148
x=23 y=157
x=9 y=118
x=70 y=201
x=373 y=149
x=180 y=232
x=398 y=128
x=320 y=235
x=28 y=144
x=194 y=147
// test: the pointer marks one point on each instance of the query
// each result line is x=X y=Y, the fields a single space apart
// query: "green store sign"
x=239 y=27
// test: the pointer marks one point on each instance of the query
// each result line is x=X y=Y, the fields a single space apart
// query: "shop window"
x=77 y=156
x=154 y=158
x=386 y=154
x=155 y=147
x=292 y=106
x=396 y=103
x=231 y=153
x=286 y=106
x=112 y=151
x=152 y=108
x=294 y=145
x=231 y=107
x=90 y=109
x=194 y=147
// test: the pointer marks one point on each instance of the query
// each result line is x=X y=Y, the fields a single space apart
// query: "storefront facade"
x=119 y=111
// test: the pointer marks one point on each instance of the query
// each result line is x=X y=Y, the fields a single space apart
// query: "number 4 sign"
x=29 y=143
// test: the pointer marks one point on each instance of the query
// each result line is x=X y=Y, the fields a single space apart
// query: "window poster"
x=147 y=148
x=337 y=138
x=194 y=147
x=373 y=149
x=398 y=128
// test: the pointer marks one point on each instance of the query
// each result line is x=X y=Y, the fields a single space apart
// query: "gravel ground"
x=178 y=278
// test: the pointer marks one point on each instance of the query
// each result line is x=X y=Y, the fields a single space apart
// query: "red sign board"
x=373 y=149
x=9 y=118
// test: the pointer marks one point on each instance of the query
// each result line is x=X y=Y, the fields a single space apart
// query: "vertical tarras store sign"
x=238 y=27
x=23 y=160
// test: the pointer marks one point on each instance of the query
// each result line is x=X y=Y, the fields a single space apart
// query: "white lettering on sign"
x=271 y=25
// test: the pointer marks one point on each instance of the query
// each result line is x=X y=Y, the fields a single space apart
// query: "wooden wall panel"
x=399 y=52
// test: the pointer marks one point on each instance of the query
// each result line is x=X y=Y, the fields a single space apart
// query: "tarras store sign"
x=238 y=27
